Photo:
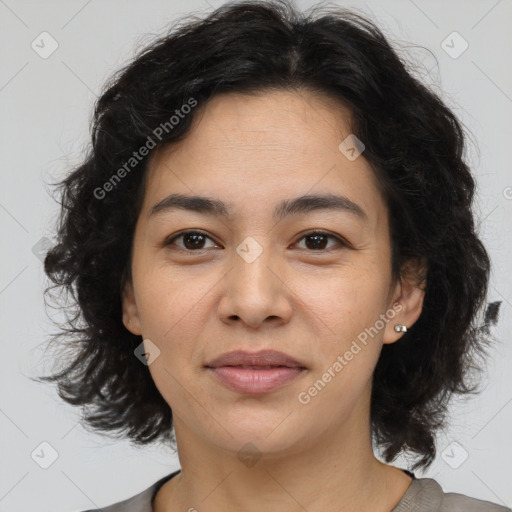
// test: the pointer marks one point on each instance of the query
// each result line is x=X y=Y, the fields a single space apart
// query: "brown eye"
x=191 y=240
x=318 y=240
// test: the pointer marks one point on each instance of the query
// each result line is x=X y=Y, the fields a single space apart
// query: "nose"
x=255 y=292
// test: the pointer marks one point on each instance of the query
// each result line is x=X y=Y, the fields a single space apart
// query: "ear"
x=407 y=299
x=131 y=318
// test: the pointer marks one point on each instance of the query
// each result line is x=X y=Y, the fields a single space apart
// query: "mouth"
x=255 y=373
x=264 y=359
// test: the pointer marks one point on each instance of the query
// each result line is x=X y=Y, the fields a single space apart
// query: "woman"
x=272 y=252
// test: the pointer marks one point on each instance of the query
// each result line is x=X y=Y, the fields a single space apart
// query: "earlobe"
x=409 y=295
x=130 y=312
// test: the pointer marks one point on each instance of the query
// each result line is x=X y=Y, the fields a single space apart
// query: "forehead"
x=252 y=151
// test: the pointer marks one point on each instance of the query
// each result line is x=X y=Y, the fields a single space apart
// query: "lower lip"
x=251 y=381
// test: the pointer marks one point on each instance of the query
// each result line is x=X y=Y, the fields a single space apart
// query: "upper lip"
x=261 y=358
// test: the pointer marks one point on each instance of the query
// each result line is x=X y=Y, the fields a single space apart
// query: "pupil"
x=194 y=244
x=315 y=244
x=198 y=239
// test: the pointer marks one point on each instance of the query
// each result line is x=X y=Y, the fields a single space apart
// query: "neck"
x=338 y=471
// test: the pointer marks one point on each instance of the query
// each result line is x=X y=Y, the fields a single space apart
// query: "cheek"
x=169 y=305
x=349 y=332
x=347 y=350
x=347 y=301
x=336 y=391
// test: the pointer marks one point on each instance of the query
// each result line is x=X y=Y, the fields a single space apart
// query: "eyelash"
x=305 y=235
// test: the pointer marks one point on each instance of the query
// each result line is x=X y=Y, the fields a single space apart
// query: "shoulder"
x=426 y=494
x=141 y=502
x=138 y=503
x=455 y=502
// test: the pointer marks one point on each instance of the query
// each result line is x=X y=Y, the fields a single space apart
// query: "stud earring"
x=400 y=328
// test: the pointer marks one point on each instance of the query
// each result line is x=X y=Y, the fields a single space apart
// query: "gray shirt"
x=423 y=495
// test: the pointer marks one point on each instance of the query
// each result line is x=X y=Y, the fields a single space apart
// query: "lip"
x=253 y=382
x=260 y=358
x=256 y=372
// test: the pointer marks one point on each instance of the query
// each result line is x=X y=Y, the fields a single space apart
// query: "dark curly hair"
x=413 y=141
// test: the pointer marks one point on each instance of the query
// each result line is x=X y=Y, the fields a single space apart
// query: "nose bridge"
x=251 y=266
x=253 y=290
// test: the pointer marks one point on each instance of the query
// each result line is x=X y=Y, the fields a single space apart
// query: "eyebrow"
x=298 y=205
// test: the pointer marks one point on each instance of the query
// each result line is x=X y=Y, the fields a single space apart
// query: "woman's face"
x=256 y=281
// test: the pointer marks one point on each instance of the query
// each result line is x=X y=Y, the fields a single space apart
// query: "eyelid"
x=328 y=234
x=342 y=241
x=168 y=241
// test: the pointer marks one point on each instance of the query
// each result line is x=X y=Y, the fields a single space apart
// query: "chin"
x=263 y=439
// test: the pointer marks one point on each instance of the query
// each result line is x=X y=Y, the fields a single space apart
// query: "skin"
x=253 y=151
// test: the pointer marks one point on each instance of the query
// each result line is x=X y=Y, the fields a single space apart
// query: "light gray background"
x=46 y=106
